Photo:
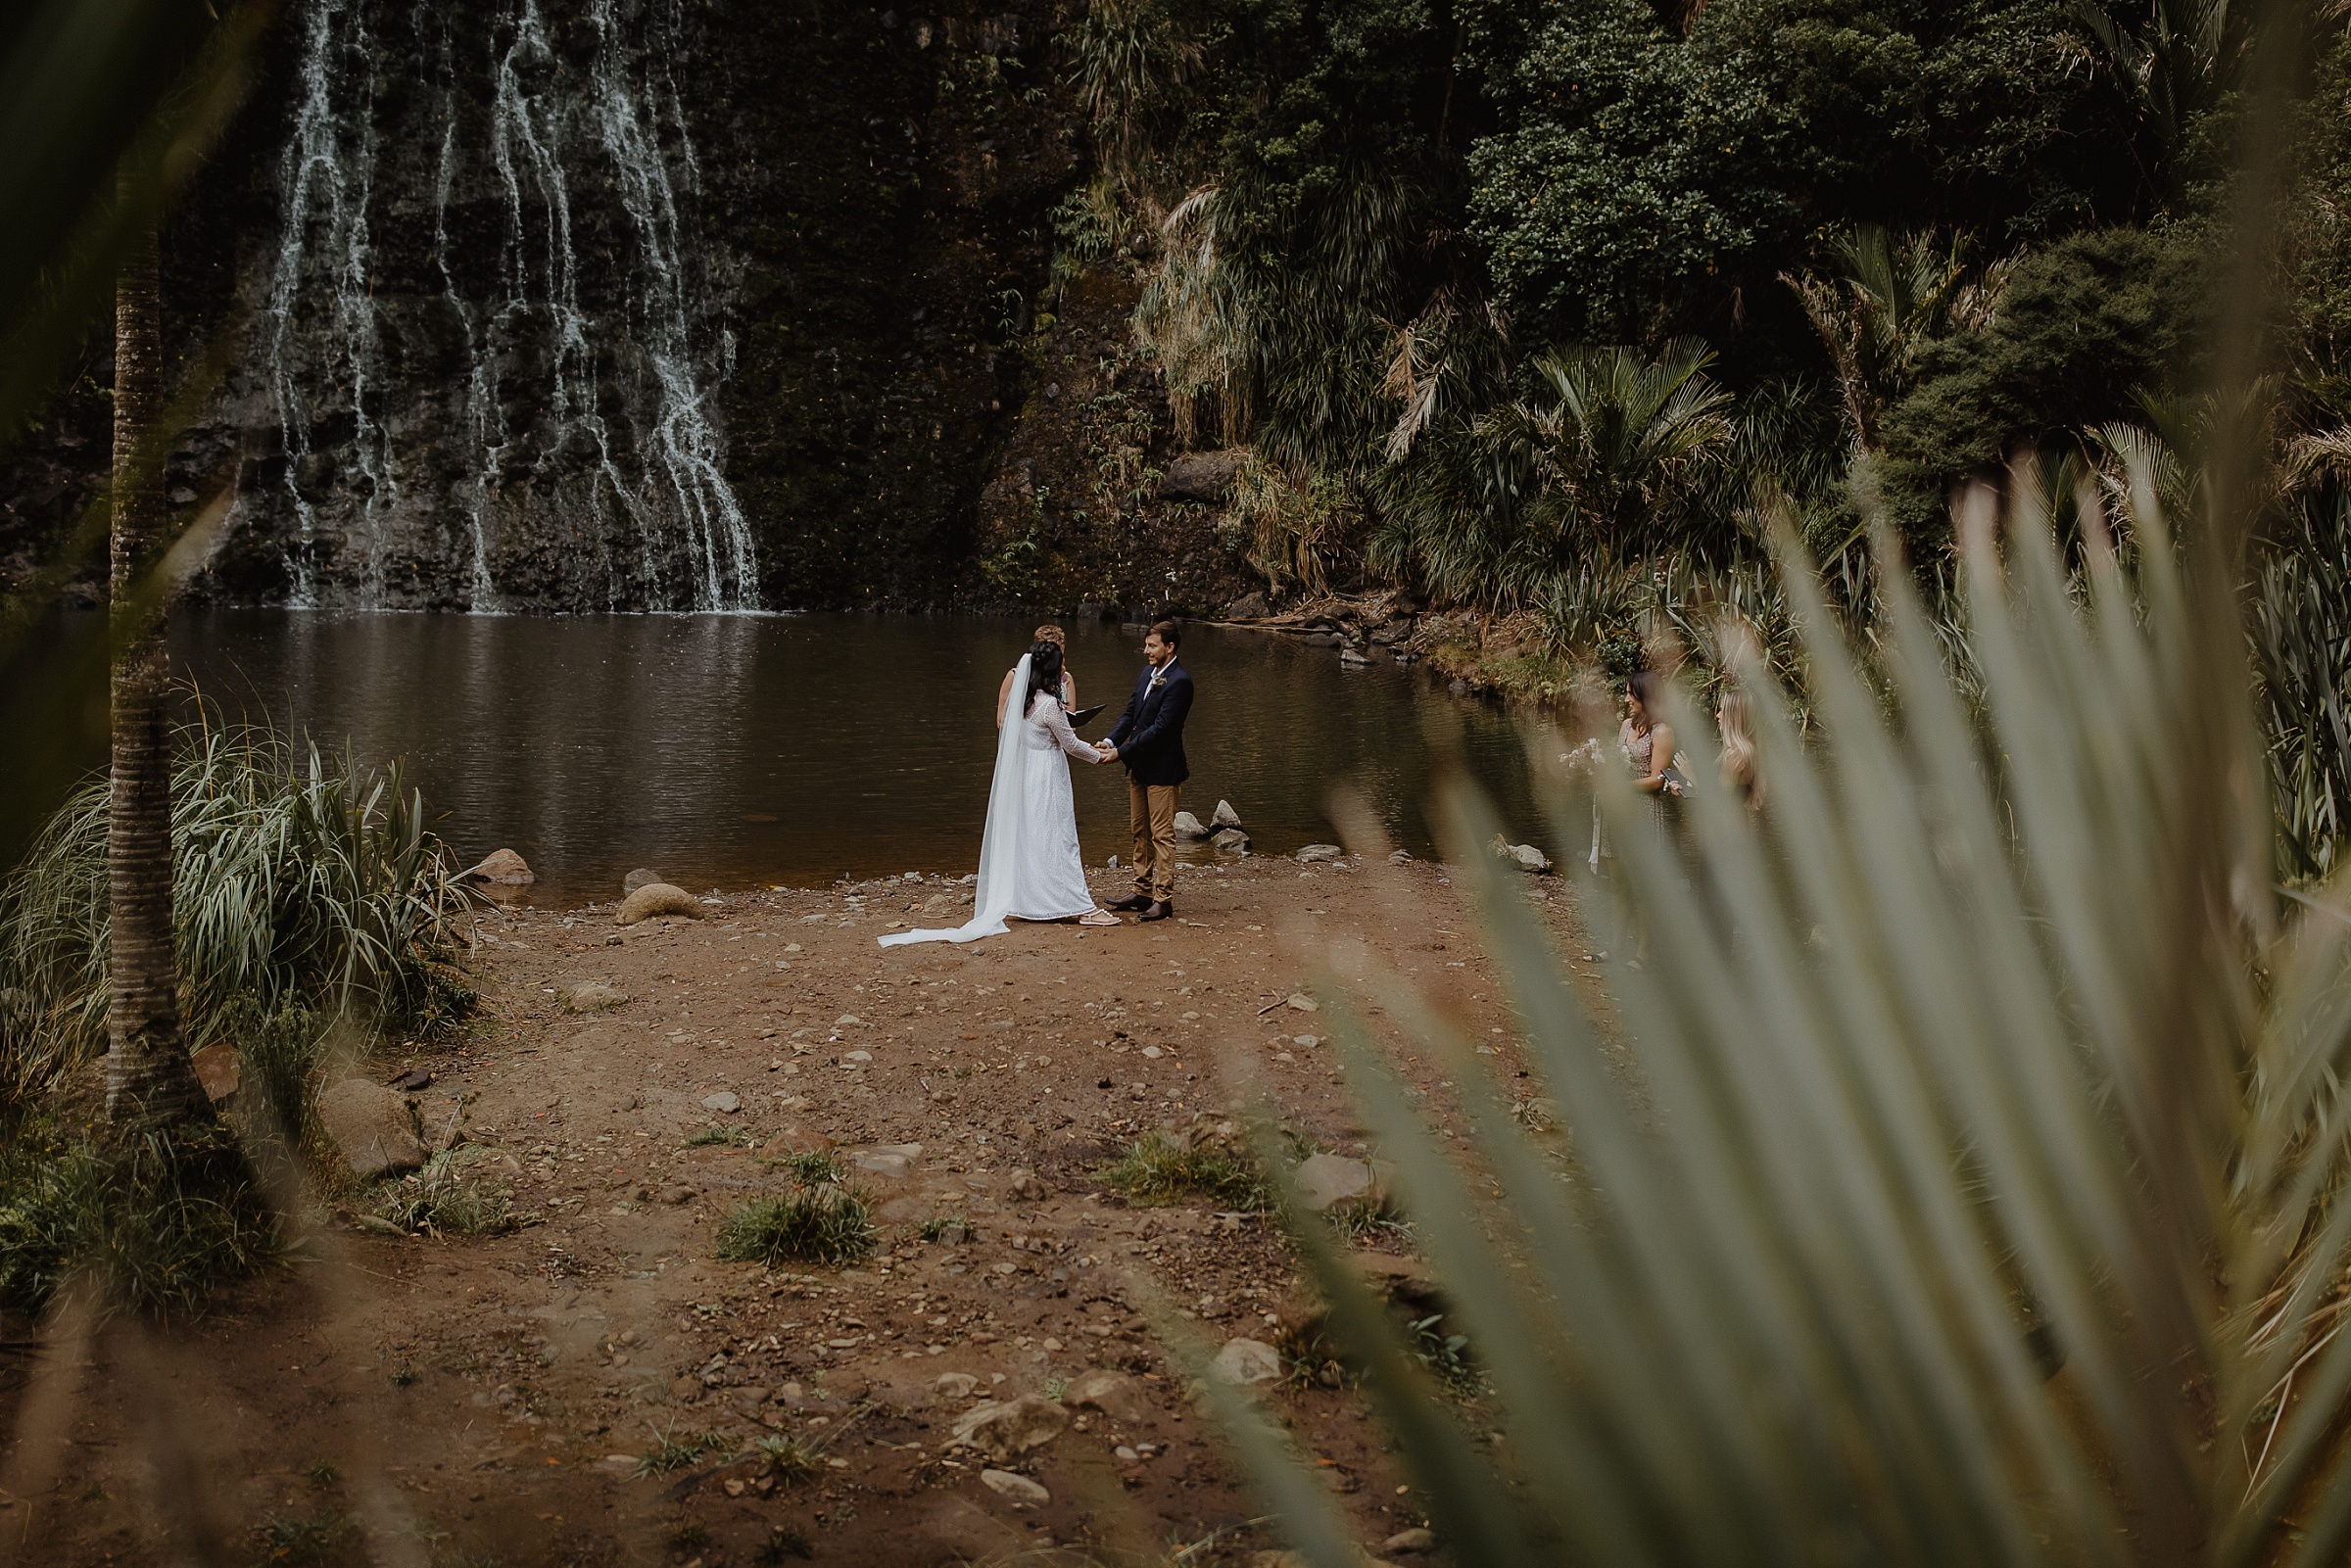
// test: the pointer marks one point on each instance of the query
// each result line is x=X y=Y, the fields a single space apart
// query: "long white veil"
x=1000 y=842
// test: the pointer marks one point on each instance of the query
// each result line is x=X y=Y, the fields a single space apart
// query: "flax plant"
x=1951 y=1153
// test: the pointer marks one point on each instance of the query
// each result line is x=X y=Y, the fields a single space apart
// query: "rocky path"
x=987 y=1383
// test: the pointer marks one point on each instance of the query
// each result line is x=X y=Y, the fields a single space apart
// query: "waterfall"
x=576 y=461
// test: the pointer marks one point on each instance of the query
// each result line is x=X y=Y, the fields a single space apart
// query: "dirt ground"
x=489 y=1400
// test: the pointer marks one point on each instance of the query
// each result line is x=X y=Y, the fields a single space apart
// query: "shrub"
x=821 y=1224
x=313 y=883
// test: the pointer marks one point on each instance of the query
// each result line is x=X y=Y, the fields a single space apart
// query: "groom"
x=1149 y=738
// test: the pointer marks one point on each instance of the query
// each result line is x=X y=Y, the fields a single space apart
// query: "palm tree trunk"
x=150 y=1083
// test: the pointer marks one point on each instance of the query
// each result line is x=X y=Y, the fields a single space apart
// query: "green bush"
x=1159 y=1169
x=303 y=883
x=820 y=1224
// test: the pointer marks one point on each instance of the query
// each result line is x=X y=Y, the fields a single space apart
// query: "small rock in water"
x=1526 y=857
x=1018 y=1488
x=371 y=1126
x=503 y=866
x=724 y=1102
x=1189 y=827
x=641 y=877
x=1320 y=852
x=658 y=898
x=1225 y=816
x=1353 y=659
x=1247 y=1361
x=1229 y=839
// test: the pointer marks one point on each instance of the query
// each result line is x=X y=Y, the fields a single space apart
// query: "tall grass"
x=299 y=880
x=1955 y=1178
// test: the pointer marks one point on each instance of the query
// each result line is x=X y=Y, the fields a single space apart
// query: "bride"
x=1029 y=863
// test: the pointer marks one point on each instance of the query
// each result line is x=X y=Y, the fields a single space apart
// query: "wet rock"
x=656 y=899
x=1114 y=1394
x=219 y=1071
x=1314 y=853
x=1006 y=1429
x=641 y=877
x=1247 y=1361
x=1229 y=839
x=1201 y=476
x=1189 y=827
x=1018 y=1488
x=1326 y=1181
x=726 y=1103
x=1407 y=1542
x=591 y=996
x=1526 y=857
x=1225 y=816
x=502 y=866
x=371 y=1126
x=955 y=1385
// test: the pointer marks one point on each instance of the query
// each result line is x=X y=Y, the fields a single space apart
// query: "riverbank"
x=496 y=1396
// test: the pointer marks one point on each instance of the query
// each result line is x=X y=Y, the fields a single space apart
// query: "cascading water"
x=569 y=456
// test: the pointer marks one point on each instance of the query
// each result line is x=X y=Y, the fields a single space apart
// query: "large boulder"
x=503 y=867
x=1006 y=1429
x=656 y=899
x=372 y=1127
x=1202 y=476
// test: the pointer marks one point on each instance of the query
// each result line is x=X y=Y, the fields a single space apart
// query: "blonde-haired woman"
x=1742 y=772
x=1068 y=683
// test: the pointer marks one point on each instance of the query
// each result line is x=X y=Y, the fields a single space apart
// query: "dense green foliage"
x=299 y=882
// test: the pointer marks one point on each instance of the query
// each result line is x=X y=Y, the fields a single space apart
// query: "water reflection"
x=726 y=751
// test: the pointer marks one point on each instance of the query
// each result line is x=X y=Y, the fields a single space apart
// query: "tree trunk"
x=150 y=1083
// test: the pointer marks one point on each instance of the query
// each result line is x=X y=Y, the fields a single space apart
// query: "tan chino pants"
x=1151 y=813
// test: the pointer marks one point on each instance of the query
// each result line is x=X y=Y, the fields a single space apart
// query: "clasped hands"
x=1106 y=752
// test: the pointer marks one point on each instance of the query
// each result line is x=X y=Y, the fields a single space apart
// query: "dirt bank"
x=489 y=1400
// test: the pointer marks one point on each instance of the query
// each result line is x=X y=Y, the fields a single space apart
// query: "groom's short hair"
x=1166 y=632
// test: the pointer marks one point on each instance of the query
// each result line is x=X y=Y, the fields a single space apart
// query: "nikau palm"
x=1956 y=1179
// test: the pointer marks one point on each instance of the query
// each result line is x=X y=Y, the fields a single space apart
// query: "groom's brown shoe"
x=1158 y=912
x=1138 y=901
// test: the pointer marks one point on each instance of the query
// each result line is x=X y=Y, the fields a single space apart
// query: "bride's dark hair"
x=1044 y=674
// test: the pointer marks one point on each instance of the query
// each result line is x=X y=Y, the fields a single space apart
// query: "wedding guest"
x=1647 y=739
x=1735 y=721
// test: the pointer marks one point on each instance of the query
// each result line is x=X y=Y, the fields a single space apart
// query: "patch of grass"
x=673 y=1452
x=323 y=1538
x=298 y=880
x=936 y=1229
x=789 y=1459
x=729 y=1138
x=814 y=1225
x=1363 y=1222
x=1159 y=1169
x=442 y=1200
x=816 y=1168
x=157 y=1227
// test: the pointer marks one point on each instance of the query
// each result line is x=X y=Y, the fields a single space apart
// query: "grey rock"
x=371 y=1126
x=591 y=996
x=1114 y=1394
x=1407 y=1542
x=1247 y=1361
x=889 y=1161
x=641 y=877
x=1202 y=476
x=955 y=1385
x=1526 y=857
x=1354 y=660
x=1189 y=827
x=1225 y=816
x=724 y=1103
x=1320 y=852
x=658 y=898
x=1229 y=839
x=1006 y=1429
x=1326 y=1181
x=1018 y=1487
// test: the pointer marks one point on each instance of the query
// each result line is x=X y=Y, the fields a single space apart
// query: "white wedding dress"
x=1030 y=867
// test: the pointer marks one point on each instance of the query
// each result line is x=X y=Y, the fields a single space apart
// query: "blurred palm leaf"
x=1953 y=1180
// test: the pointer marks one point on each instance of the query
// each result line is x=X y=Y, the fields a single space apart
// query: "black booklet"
x=1086 y=715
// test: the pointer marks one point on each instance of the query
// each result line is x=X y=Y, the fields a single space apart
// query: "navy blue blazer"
x=1149 y=734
